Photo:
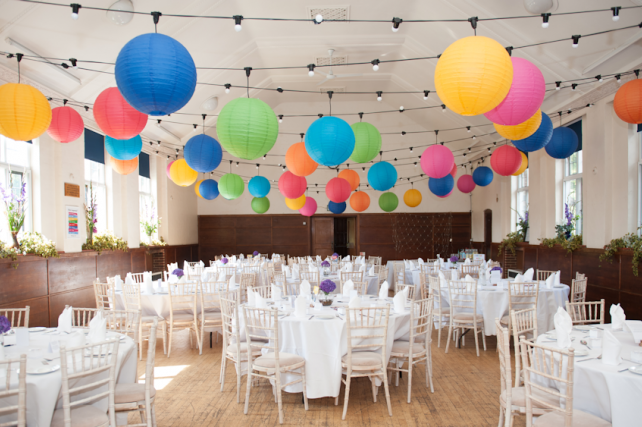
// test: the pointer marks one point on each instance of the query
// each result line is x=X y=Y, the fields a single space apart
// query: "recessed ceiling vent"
x=330 y=13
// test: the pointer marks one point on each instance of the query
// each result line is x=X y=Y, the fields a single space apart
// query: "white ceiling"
x=51 y=32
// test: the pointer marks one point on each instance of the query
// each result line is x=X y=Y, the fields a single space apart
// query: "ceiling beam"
x=606 y=57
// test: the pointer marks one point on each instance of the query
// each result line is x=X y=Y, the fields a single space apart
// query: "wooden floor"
x=466 y=393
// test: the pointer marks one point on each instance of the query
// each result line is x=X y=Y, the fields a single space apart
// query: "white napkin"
x=118 y=283
x=635 y=326
x=355 y=302
x=454 y=275
x=383 y=291
x=563 y=328
x=286 y=270
x=300 y=305
x=347 y=268
x=222 y=276
x=372 y=271
x=467 y=261
x=76 y=339
x=64 y=320
x=528 y=276
x=420 y=261
x=487 y=273
x=232 y=281
x=185 y=267
x=149 y=287
x=348 y=287
x=362 y=268
x=618 y=318
x=347 y=258
x=97 y=329
x=318 y=258
x=611 y=348
x=399 y=301
x=412 y=265
x=519 y=279
x=550 y=281
x=251 y=297
x=305 y=288
x=437 y=263
x=442 y=280
x=205 y=276
x=295 y=271
x=406 y=264
x=313 y=269
x=202 y=264
x=173 y=279
x=557 y=278
x=234 y=259
x=259 y=301
x=277 y=294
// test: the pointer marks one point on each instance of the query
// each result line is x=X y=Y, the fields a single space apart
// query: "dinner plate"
x=559 y=286
x=636 y=369
x=40 y=370
x=324 y=316
x=580 y=352
x=37 y=329
x=583 y=327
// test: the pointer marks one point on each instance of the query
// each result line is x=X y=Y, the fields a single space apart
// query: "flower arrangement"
x=335 y=254
x=496 y=268
x=5 y=325
x=325 y=264
x=224 y=260
x=565 y=230
x=255 y=253
x=327 y=286
x=15 y=208
x=154 y=242
x=149 y=223
x=510 y=242
x=30 y=243
x=453 y=259
x=522 y=224
x=568 y=244
x=90 y=213
x=178 y=272
x=106 y=241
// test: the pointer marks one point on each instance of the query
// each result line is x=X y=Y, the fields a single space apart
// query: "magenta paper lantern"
x=292 y=186
x=453 y=172
x=506 y=160
x=443 y=197
x=310 y=207
x=465 y=183
x=437 y=161
x=524 y=98
x=338 y=190
x=169 y=165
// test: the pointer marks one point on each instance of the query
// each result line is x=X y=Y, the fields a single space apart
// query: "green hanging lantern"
x=367 y=142
x=231 y=186
x=260 y=205
x=247 y=128
x=388 y=202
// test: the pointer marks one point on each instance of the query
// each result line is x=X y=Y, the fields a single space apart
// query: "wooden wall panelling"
x=83 y=297
x=38 y=310
x=27 y=281
x=138 y=260
x=110 y=263
x=72 y=272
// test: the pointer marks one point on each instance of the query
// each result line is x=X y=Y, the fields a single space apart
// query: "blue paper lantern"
x=483 y=176
x=441 y=186
x=382 y=176
x=155 y=74
x=208 y=189
x=563 y=143
x=124 y=149
x=203 y=153
x=337 y=208
x=329 y=141
x=259 y=186
x=539 y=139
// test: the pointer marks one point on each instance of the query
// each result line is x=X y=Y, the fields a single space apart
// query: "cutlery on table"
x=586 y=344
x=590 y=358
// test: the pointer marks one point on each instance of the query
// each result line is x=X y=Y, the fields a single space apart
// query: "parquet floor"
x=466 y=393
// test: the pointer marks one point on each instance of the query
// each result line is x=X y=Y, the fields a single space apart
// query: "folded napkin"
x=128 y=279
x=286 y=270
x=550 y=281
x=318 y=258
x=362 y=268
x=487 y=274
x=259 y=301
x=149 y=286
x=97 y=329
x=202 y=264
x=467 y=261
x=355 y=302
x=347 y=268
x=232 y=281
x=295 y=271
x=118 y=283
x=76 y=339
x=611 y=348
x=372 y=271
x=313 y=269
x=519 y=278
x=399 y=301
x=383 y=291
x=563 y=328
x=251 y=297
x=173 y=279
x=437 y=263
x=347 y=258
x=442 y=280
x=454 y=275
x=277 y=294
x=64 y=320
x=412 y=265
x=618 y=318
x=305 y=288
x=183 y=279
x=420 y=261
x=185 y=266
x=470 y=283
x=300 y=305
x=205 y=276
x=635 y=326
x=406 y=264
x=222 y=276
x=348 y=287
x=557 y=278
x=528 y=276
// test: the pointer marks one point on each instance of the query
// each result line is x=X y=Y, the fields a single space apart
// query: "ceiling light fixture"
x=576 y=40
x=237 y=22
x=227 y=87
x=120 y=13
x=545 y=17
x=211 y=103
x=618 y=78
x=443 y=108
x=318 y=19
x=75 y=7
x=379 y=93
x=558 y=85
x=375 y=65
x=311 y=68
x=280 y=118
x=395 y=24
x=616 y=13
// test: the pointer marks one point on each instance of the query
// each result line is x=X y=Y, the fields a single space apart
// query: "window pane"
x=573 y=197
x=94 y=172
x=522 y=180
x=17 y=152
x=522 y=203
x=144 y=185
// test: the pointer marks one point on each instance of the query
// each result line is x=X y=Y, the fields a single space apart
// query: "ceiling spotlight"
x=177 y=151
x=489 y=149
x=464 y=154
x=264 y=156
x=375 y=65
x=426 y=93
x=443 y=108
x=411 y=149
x=495 y=143
x=75 y=7
x=195 y=128
x=558 y=85
x=545 y=17
x=470 y=149
x=257 y=165
x=576 y=40
x=616 y=13
x=311 y=70
x=379 y=98
x=237 y=22
x=74 y=62
x=395 y=24
x=159 y=142
x=120 y=13
x=283 y=168
x=227 y=87
x=280 y=118
x=415 y=164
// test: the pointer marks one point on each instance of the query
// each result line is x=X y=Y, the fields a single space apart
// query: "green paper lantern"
x=231 y=186
x=388 y=202
x=247 y=128
x=260 y=205
x=367 y=142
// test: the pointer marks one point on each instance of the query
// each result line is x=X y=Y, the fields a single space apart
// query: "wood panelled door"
x=322 y=236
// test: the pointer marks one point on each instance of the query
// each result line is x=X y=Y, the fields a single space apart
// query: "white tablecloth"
x=599 y=389
x=44 y=391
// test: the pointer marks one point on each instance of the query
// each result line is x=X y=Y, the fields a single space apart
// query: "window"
x=95 y=176
x=522 y=193
x=146 y=203
x=14 y=166
x=573 y=181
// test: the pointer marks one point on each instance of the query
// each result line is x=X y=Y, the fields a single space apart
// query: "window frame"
x=524 y=189
x=144 y=196
x=578 y=177
x=7 y=170
x=98 y=186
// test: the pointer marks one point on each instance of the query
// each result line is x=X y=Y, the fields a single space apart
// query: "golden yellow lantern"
x=295 y=204
x=412 y=198
x=524 y=165
x=182 y=174
x=198 y=193
x=522 y=130
x=25 y=113
x=473 y=75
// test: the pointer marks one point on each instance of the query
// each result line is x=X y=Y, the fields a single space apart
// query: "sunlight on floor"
x=163 y=375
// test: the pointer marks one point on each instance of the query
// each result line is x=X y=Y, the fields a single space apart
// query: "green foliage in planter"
x=154 y=242
x=570 y=245
x=510 y=242
x=30 y=243
x=106 y=242
x=628 y=241
x=7 y=251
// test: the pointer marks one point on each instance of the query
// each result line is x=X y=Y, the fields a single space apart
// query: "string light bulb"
x=74 y=62
x=545 y=17
x=474 y=136
x=443 y=108
x=395 y=24
x=237 y=23
x=599 y=78
x=426 y=93
x=616 y=13
x=558 y=85
x=237 y=164
x=311 y=70
x=411 y=149
x=75 y=7
x=375 y=65
x=468 y=129
x=379 y=93
x=573 y=86
x=401 y=109
x=576 y=40
x=227 y=87
x=280 y=118
x=318 y=19
x=618 y=78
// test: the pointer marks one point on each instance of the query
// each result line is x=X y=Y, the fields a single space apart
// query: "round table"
x=44 y=391
x=600 y=389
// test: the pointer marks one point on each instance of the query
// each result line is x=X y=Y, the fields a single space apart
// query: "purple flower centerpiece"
x=496 y=269
x=325 y=264
x=453 y=259
x=224 y=261
x=5 y=325
x=327 y=286
x=255 y=253
x=178 y=272
x=326 y=268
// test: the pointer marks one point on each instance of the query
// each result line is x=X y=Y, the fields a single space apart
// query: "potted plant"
x=15 y=209
x=327 y=286
x=149 y=223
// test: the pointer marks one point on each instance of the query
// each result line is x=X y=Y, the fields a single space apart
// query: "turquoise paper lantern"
x=441 y=186
x=382 y=176
x=208 y=189
x=231 y=186
x=124 y=149
x=203 y=153
x=260 y=205
x=367 y=142
x=388 y=202
x=247 y=128
x=483 y=176
x=155 y=74
x=563 y=143
x=329 y=141
x=259 y=186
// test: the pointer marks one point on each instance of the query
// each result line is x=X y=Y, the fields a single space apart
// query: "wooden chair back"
x=262 y=324
x=81 y=317
x=18 y=317
x=139 y=277
x=355 y=276
x=471 y=270
x=105 y=295
x=505 y=370
x=12 y=394
x=524 y=324
x=183 y=297
x=463 y=297
x=310 y=276
x=586 y=312
x=400 y=271
x=400 y=287
x=544 y=274
x=421 y=321
x=578 y=290
x=367 y=331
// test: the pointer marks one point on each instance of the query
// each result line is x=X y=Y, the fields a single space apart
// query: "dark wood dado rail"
x=614 y=281
x=48 y=284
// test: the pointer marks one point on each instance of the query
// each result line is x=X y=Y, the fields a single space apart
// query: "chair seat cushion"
x=285 y=359
x=518 y=398
x=133 y=392
x=182 y=317
x=81 y=416
x=442 y=311
x=580 y=419
x=363 y=358
x=149 y=319
x=403 y=348
x=231 y=350
x=468 y=317
x=212 y=315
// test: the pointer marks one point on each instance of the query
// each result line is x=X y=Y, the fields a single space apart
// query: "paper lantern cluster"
x=259 y=186
x=181 y=174
x=66 y=125
x=231 y=186
x=483 y=176
x=338 y=190
x=563 y=143
x=367 y=142
x=466 y=184
x=208 y=189
x=359 y=201
x=539 y=139
x=437 y=161
x=352 y=177
x=523 y=166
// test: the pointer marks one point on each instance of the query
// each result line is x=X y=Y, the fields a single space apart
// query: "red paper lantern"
x=292 y=186
x=628 y=102
x=116 y=117
x=506 y=160
x=66 y=125
x=360 y=201
x=465 y=184
x=299 y=161
x=453 y=172
x=337 y=190
x=352 y=177
x=169 y=165
x=437 y=161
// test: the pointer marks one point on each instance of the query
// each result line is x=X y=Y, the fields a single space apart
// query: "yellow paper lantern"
x=412 y=198
x=25 y=113
x=473 y=75
x=524 y=165
x=182 y=174
x=198 y=193
x=295 y=204
x=522 y=130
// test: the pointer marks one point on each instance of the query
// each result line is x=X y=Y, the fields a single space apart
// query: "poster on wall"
x=72 y=222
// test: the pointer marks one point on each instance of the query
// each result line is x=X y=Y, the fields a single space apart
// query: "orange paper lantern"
x=352 y=177
x=628 y=102
x=299 y=161
x=360 y=201
x=124 y=167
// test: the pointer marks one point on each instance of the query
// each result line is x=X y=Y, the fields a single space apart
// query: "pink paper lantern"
x=66 y=125
x=437 y=161
x=443 y=197
x=465 y=184
x=169 y=165
x=453 y=172
x=524 y=98
x=310 y=207
x=116 y=117
x=292 y=186
x=338 y=190
x=506 y=160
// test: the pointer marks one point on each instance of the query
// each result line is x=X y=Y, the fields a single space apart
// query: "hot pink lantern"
x=443 y=197
x=453 y=172
x=465 y=184
x=116 y=117
x=310 y=207
x=292 y=186
x=437 y=161
x=506 y=160
x=524 y=98
x=169 y=165
x=66 y=124
x=338 y=190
